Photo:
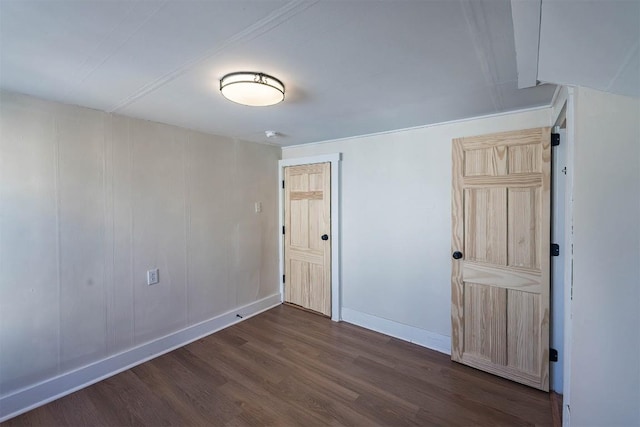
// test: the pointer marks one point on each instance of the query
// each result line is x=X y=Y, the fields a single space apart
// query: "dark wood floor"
x=287 y=367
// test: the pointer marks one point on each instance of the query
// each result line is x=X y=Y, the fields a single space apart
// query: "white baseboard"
x=437 y=342
x=51 y=389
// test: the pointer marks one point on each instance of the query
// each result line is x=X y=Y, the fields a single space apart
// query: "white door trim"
x=563 y=107
x=334 y=159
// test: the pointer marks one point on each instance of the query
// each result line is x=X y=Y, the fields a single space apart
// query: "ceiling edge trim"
x=450 y=122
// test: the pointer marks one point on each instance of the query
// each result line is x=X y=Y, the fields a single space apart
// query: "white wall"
x=89 y=201
x=605 y=347
x=396 y=221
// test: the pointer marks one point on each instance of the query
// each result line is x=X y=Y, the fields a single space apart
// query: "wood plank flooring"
x=288 y=367
x=556 y=408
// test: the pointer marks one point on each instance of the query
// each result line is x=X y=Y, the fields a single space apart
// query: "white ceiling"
x=350 y=67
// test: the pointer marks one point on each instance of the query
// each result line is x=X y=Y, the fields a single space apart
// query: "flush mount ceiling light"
x=252 y=88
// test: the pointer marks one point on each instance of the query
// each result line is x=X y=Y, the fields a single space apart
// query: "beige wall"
x=89 y=201
x=605 y=346
x=396 y=218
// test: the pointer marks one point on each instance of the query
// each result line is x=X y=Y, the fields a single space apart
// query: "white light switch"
x=258 y=206
x=153 y=276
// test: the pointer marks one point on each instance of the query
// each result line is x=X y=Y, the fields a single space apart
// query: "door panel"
x=319 y=296
x=501 y=224
x=299 y=273
x=524 y=227
x=299 y=236
x=489 y=161
x=315 y=225
x=525 y=158
x=524 y=317
x=485 y=322
x=485 y=212
x=307 y=219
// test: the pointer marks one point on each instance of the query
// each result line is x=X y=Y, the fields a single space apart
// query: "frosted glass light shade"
x=253 y=89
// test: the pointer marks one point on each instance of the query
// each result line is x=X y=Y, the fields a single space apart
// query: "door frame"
x=556 y=306
x=563 y=107
x=334 y=159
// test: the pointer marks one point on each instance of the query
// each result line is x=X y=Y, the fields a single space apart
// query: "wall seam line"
x=56 y=136
x=130 y=145
x=105 y=293
x=113 y=225
x=187 y=226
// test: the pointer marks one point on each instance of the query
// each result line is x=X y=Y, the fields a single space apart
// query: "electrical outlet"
x=258 y=207
x=153 y=276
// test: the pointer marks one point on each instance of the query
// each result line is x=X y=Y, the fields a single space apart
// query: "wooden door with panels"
x=501 y=250
x=307 y=248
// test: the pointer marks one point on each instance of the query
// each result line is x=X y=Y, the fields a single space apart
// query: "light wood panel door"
x=501 y=250
x=307 y=248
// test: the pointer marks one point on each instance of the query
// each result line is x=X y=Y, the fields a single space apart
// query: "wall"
x=605 y=346
x=396 y=224
x=89 y=201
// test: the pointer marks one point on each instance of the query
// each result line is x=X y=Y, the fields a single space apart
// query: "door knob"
x=324 y=237
x=457 y=255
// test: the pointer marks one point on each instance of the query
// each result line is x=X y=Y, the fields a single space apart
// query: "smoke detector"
x=271 y=133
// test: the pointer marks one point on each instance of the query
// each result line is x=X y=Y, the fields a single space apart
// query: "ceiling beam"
x=526 y=31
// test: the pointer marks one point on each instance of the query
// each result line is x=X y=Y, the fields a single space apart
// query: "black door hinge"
x=553 y=355
x=283 y=281
x=555 y=139
x=283 y=183
x=283 y=229
x=555 y=249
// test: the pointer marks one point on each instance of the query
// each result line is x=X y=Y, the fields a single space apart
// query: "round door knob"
x=457 y=255
x=324 y=237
